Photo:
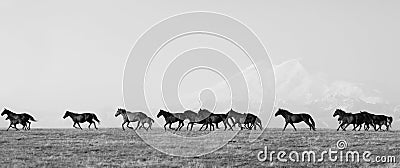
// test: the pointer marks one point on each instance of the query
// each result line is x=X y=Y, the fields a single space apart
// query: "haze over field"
x=59 y=56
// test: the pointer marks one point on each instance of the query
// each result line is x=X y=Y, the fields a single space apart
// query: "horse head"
x=67 y=113
x=280 y=112
x=120 y=111
x=5 y=111
x=338 y=112
x=162 y=112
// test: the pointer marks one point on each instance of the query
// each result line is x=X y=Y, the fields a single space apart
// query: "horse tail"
x=95 y=118
x=259 y=121
x=312 y=121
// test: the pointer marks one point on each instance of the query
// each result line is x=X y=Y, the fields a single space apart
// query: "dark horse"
x=252 y=121
x=18 y=119
x=172 y=118
x=14 y=122
x=215 y=118
x=348 y=118
x=81 y=118
x=291 y=118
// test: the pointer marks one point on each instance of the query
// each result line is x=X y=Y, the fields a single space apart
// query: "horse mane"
x=8 y=111
x=284 y=110
x=204 y=111
x=189 y=111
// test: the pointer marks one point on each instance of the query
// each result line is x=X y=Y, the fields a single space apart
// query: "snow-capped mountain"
x=298 y=89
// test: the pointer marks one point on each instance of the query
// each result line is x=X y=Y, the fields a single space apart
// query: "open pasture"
x=112 y=147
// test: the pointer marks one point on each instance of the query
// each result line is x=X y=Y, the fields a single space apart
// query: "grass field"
x=112 y=147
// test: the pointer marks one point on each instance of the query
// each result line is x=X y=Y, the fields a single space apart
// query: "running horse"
x=252 y=121
x=172 y=118
x=346 y=119
x=18 y=119
x=81 y=118
x=291 y=118
x=236 y=118
x=139 y=117
x=193 y=118
x=215 y=118
x=14 y=122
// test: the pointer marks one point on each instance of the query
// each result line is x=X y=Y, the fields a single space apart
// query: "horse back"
x=136 y=116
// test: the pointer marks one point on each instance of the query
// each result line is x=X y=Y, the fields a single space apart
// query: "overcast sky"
x=70 y=55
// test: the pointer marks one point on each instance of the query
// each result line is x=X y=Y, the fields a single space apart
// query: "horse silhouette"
x=291 y=118
x=193 y=118
x=252 y=121
x=81 y=118
x=172 y=118
x=14 y=122
x=349 y=118
x=147 y=120
x=215 y=118
x=380 y=120
x=236 y=118
x=19 y=119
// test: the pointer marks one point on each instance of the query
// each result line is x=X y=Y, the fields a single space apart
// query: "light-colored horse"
x=147 y=120
x=128 y=117
x=193 y=118
x=236 y=118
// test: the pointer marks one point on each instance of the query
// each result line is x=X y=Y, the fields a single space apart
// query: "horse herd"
x=209 y=120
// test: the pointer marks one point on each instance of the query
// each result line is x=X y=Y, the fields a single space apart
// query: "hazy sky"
x=70 y=55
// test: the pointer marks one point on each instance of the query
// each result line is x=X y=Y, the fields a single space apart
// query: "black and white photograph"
x=100 y=83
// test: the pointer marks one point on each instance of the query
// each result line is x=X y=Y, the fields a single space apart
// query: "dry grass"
x=117 y=148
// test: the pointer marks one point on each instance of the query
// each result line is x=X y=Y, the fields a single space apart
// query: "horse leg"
x=90 y=123
x=293 y=126
x=205 y=127
x=15 y=126
x=354 y=127
x=170 y=126
x=127 y=125
x=165 y=128
x=179 y=124
x=79 y=126
x=74 y=125
x=123 y=125
x=137 y=125
x=94 y=125
x=191 y=127
x=227 y=123
x=9 y=127
x=309 y=124
x=285 y=126
x=344 y=129
x=144 y=126
x=187 y=127
x=183 y=124
x=150 y=124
